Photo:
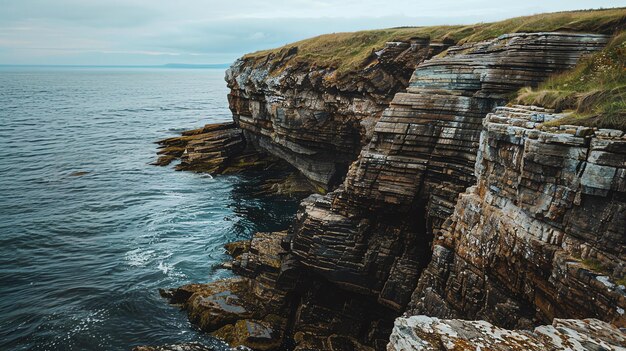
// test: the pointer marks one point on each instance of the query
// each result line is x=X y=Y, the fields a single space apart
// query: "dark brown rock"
x=275 y=303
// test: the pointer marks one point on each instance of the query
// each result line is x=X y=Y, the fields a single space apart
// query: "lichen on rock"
x=422 y=333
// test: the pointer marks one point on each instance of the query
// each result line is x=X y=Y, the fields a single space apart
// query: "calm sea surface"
x=88 y=229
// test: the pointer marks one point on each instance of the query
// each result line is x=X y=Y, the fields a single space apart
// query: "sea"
x=89 y=229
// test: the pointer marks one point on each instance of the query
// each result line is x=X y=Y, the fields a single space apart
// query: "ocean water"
x=89 y=230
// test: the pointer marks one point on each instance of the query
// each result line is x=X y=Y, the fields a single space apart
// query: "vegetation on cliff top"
x=595 y=90
x=350 y=51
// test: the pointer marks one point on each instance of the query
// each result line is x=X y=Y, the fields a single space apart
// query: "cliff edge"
x=437 y=199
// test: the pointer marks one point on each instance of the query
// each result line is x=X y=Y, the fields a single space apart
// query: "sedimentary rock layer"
x=211 y=148
x=275 y=303
x=314 y=117
x=373 y=234
x=541 y=235
x=422 y=333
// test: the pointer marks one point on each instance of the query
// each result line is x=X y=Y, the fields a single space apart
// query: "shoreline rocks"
x=422 y=333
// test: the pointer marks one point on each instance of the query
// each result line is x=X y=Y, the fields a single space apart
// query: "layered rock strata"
x=541 y=235
x=373 y=234
x=421 y=333
x=221 y=148
x=317 y=118
x=543 y=227
x=276 y=304
x=214 y=148
x=192 y=346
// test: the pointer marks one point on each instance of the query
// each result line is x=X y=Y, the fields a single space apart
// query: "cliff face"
x=542 y=233
x=373 y=235
x=316 y=118
x=447 y=209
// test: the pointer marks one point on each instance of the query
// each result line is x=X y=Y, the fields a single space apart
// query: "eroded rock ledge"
x=275 y=303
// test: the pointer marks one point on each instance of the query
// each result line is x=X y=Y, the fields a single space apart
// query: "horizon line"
x=166 y=65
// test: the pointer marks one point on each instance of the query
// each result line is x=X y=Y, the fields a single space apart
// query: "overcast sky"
x=208 y=31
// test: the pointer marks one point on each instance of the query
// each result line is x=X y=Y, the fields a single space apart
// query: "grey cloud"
x=211 y=31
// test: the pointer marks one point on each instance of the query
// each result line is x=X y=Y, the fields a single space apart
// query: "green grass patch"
x=351 y=51
x=594 y=91
x=595 y=266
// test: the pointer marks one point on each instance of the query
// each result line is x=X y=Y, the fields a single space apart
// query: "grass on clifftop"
x=595 y=90
x=349 y=51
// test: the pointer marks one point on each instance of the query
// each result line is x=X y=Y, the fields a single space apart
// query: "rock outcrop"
x=373 y=235
x=448 y=210
x=276 y=304
x=214 y=148
x=541 y=235
x=192 y=346
x=422 y=333
x=316 y=118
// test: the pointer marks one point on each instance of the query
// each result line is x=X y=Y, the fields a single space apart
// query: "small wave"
x=163 y=267
x=138 y=257
x=169 y=270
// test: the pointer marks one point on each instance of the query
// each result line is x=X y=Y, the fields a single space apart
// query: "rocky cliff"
x=316 y=118
x=452 y=206
x=541 y=235
x=374 y=234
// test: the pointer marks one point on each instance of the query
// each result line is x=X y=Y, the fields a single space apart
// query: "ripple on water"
x=83 y=254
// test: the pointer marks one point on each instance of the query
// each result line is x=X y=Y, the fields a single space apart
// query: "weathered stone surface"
x=208 y=149
x=422 y=333
x=258 y=335
x=540 y=236
x=250 y=310
x=275 y=303
x=222 y=149
x=373 y=235
x=313 y=117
